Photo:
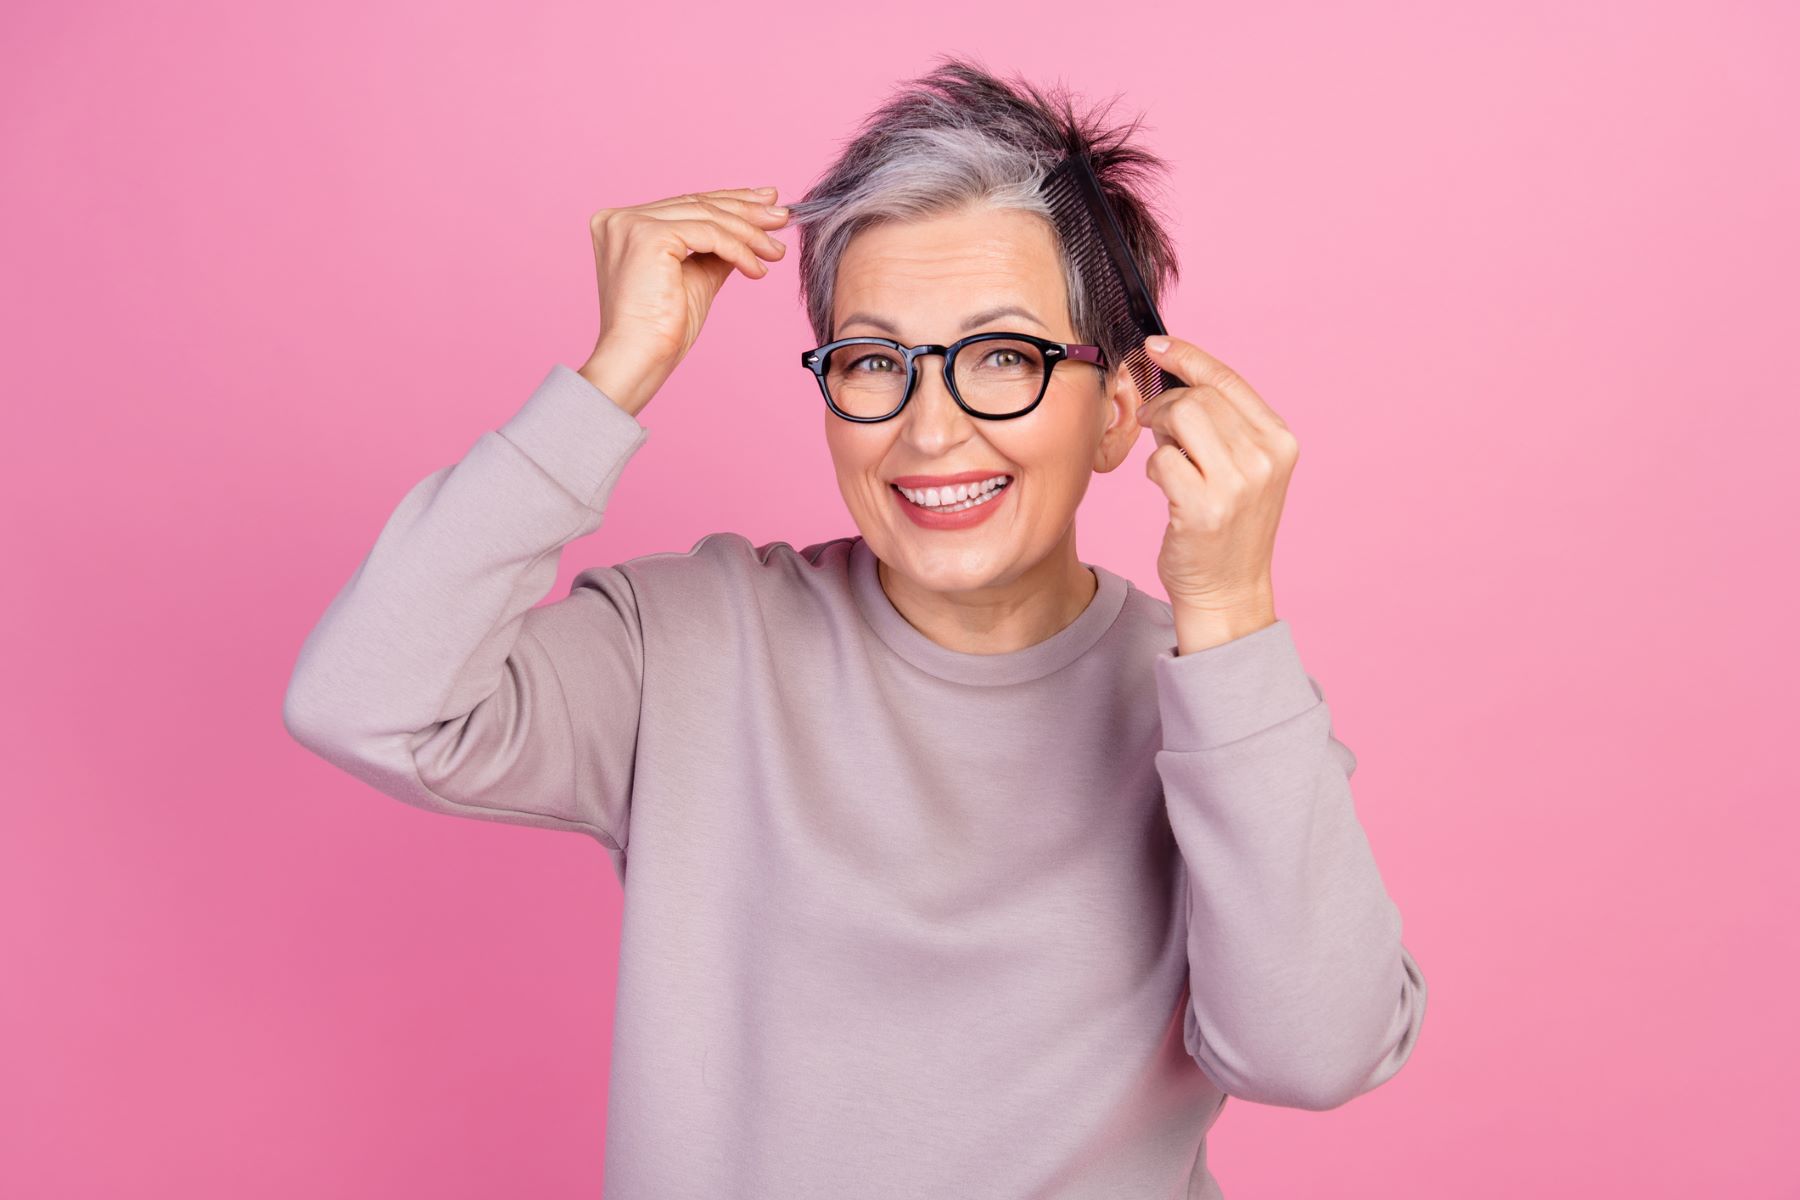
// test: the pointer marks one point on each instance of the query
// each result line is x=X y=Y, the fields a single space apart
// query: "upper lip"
x=938 y=481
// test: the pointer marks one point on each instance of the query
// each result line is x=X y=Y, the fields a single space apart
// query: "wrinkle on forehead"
x=926 y=276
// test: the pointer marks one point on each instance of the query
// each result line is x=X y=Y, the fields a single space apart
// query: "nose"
x=932 y=413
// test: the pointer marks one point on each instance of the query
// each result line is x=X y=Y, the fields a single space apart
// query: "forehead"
x=927 y=276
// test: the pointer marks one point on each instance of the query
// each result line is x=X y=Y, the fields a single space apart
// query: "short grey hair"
x=957 y=136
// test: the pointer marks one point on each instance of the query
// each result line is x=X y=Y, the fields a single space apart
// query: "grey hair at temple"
x=957 y=136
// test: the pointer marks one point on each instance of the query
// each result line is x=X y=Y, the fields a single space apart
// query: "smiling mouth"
x=960 y=505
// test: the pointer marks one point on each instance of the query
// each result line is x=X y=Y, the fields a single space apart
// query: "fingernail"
x=1158 y=344
x=766 y=190
x=779 y=210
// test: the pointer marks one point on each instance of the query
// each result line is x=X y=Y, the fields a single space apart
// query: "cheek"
x=856 y=453
x=1055 y=456
x=1059 y=446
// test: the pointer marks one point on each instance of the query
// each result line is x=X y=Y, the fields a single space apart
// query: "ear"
x=1118 y=416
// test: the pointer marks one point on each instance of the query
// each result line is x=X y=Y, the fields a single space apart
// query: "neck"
x=1004 y=616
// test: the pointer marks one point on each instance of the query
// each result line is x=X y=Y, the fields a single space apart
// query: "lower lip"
x=927 y=519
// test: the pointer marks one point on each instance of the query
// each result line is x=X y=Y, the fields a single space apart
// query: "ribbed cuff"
x=1231 y=690
x=577 y=434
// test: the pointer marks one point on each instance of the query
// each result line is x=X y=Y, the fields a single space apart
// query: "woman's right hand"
x=660 y=265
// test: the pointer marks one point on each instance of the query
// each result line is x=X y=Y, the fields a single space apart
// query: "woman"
x=958 y=866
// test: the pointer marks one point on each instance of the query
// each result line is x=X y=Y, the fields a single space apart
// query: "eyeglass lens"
x=998 y=377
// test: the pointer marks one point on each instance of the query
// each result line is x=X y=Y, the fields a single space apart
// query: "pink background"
x=1515 y=276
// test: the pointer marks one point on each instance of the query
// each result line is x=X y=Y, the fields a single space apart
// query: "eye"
x=884 y=360
x=1018 y=358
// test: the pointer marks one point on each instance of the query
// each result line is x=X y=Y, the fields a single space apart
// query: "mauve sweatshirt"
x=898 y=920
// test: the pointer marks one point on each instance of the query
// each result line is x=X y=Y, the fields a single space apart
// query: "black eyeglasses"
x=994 y=376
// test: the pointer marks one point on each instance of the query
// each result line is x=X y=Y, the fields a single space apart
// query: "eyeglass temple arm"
x=1087 y=354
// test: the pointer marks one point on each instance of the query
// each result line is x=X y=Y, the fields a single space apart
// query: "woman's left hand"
x=1225 y=496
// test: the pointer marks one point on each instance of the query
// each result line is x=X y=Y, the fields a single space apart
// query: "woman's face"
x=924 y=281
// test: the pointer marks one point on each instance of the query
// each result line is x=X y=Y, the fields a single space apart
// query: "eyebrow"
x=979 y=319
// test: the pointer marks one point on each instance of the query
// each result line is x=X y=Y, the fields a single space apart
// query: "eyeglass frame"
x=1054 y=352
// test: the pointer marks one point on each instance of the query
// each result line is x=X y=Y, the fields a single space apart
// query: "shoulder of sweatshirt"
x=582 y=440
x=725 y=579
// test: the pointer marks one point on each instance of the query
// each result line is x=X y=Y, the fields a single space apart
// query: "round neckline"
x=1015 y=666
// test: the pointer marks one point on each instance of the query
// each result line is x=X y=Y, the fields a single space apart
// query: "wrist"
x=627 y=385
x=1201 y=628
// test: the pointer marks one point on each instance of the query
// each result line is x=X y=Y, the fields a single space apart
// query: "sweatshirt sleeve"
x=1300 y=992
x=433 y=678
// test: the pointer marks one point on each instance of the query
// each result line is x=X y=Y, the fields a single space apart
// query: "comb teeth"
x=1088 y=229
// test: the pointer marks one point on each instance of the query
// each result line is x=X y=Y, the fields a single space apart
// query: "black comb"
x=1092 y=238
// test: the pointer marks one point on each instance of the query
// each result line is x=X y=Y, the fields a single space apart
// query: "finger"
x=1178 y=478
x=1242 y=440
x=750 y=210
x=1151 y=413
x=757 y=238
x=1149 y=410
x=1190 y=423
x=1256 y=450
x=710 y=238
x=1260 y=451
x=754 y=195
x=1197 y=368
x=1194 y=366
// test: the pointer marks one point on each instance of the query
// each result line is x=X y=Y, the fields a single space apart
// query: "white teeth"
x=937 y=497
x=945 y=500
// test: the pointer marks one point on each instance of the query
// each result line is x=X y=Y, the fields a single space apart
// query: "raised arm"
x=431 y=676
x=1300 y=991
